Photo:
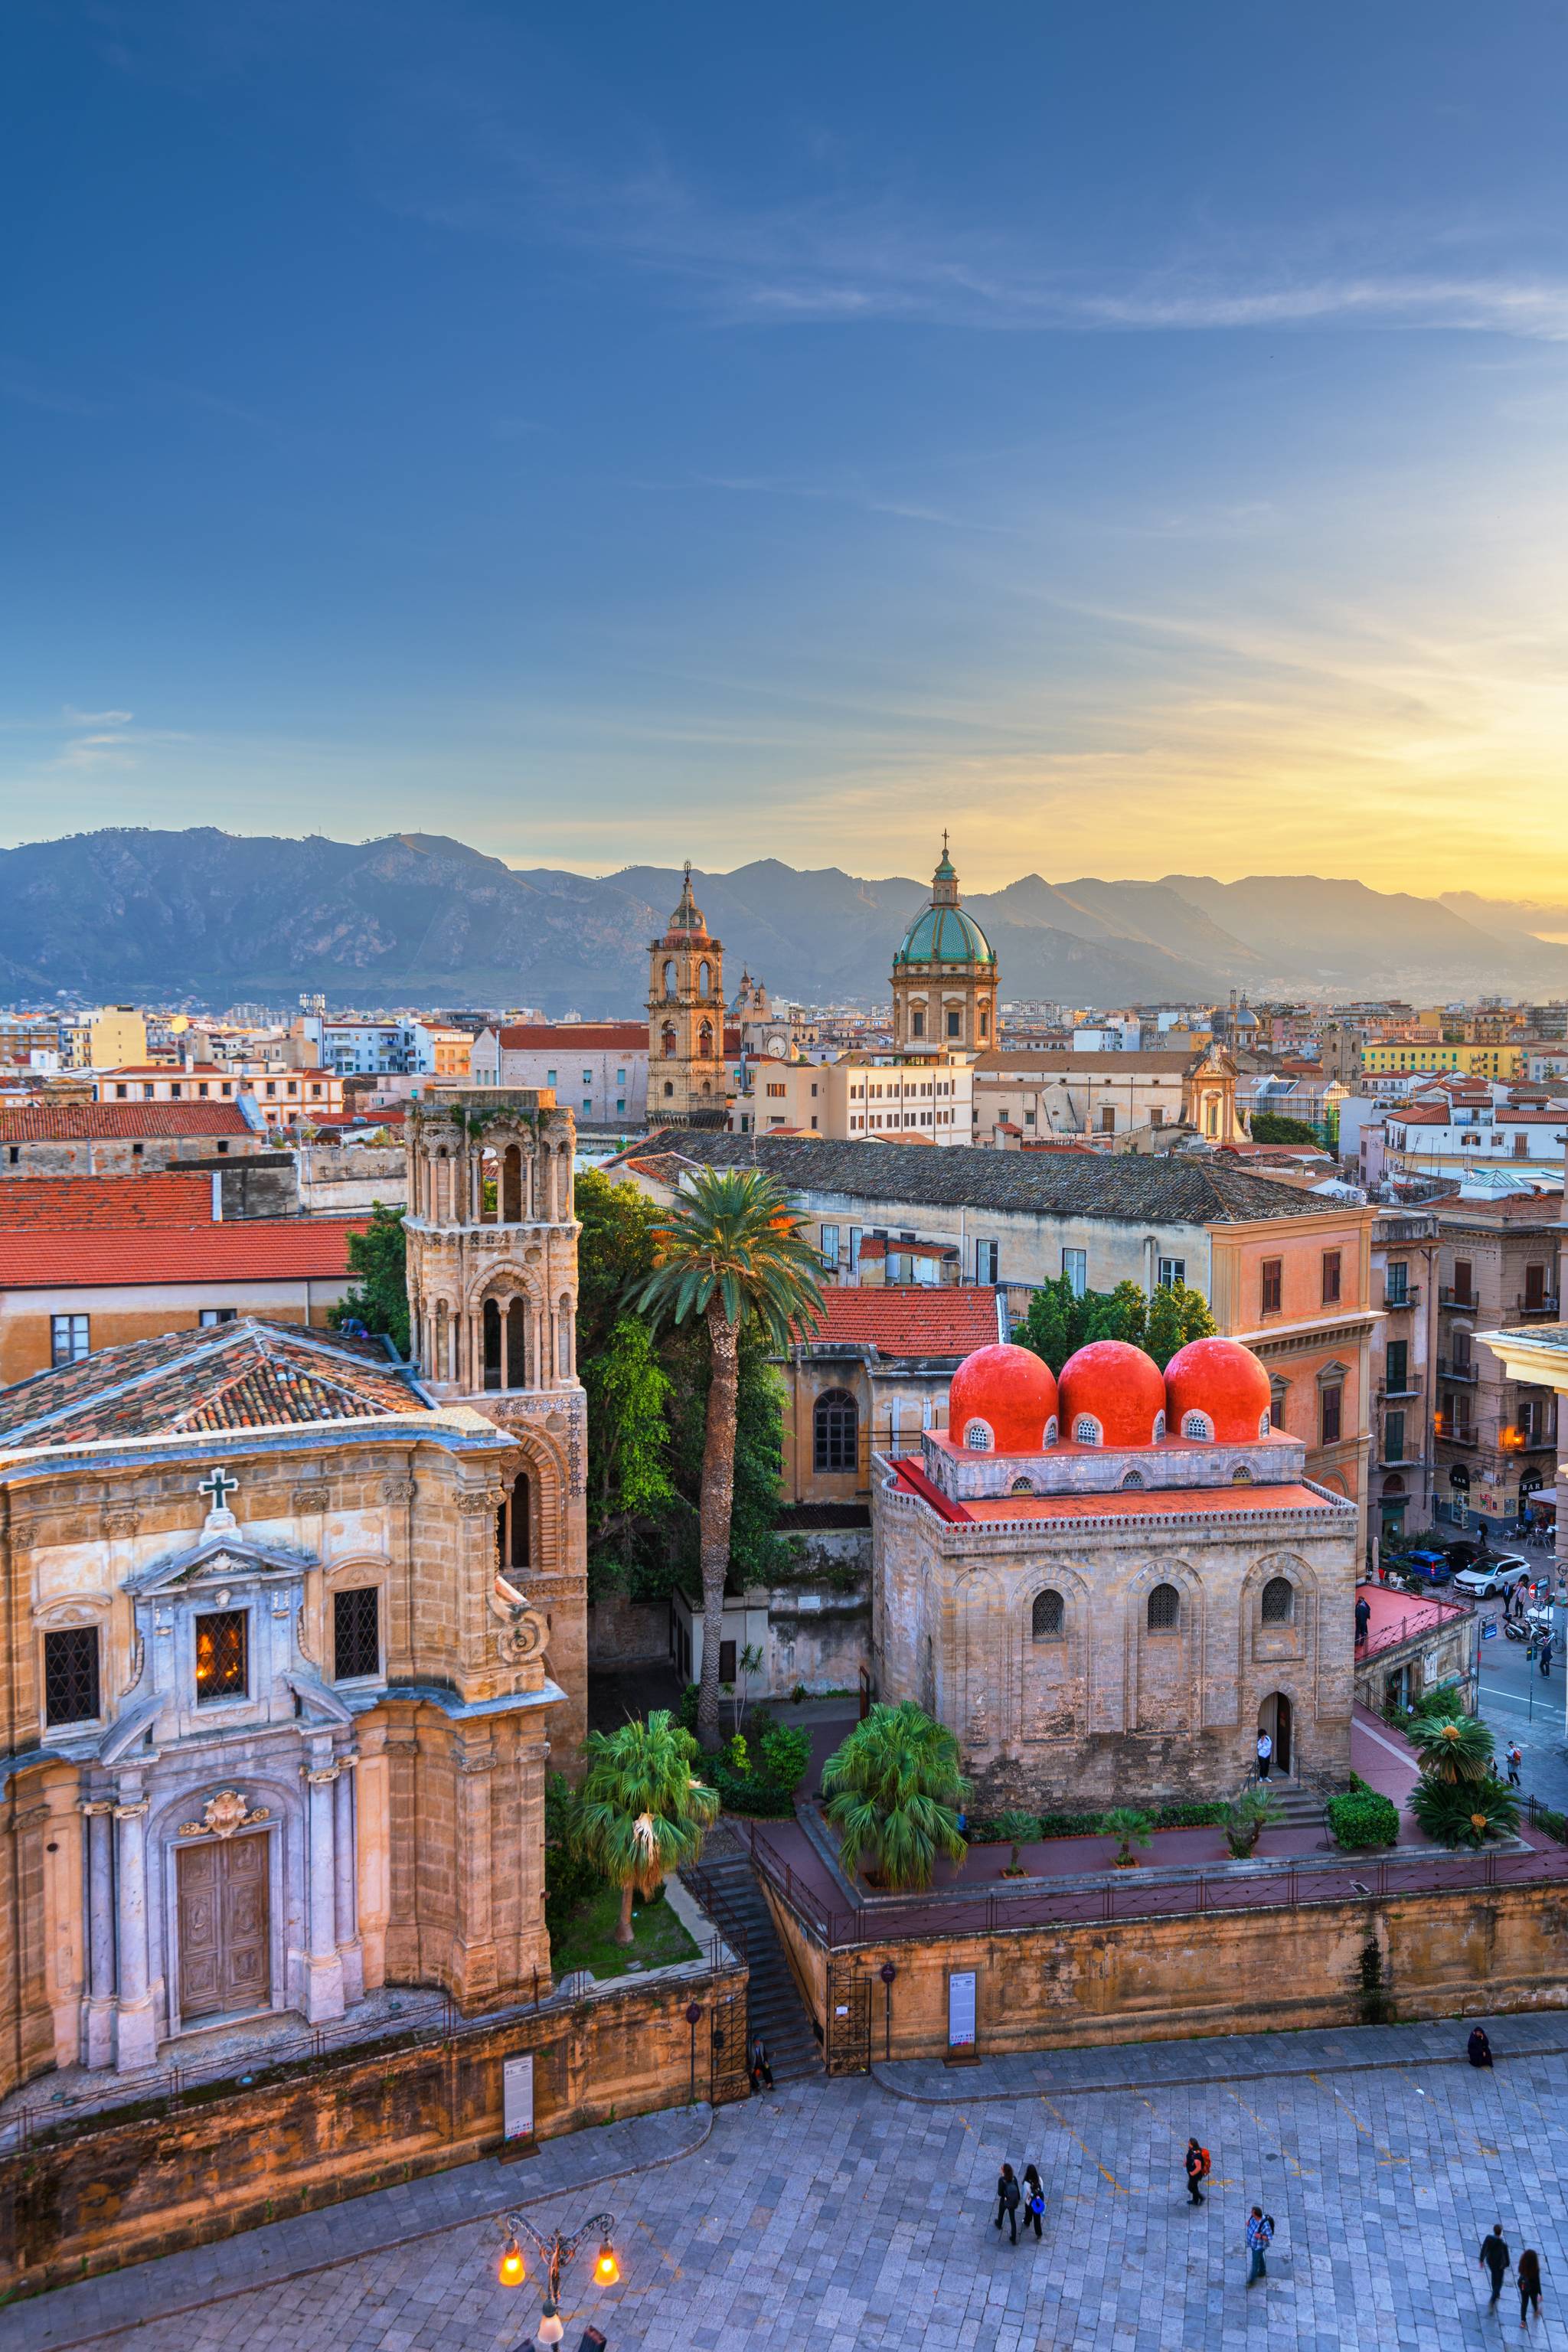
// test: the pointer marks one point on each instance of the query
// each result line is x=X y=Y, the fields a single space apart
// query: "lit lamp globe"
x=551 y=2329
x=514 y=2268
x=607 y=2269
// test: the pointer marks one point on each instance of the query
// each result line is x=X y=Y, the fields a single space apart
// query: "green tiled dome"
x=945 y=935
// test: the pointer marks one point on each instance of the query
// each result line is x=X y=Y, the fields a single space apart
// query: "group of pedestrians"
x=1014 y=2197
x=1496 y=2261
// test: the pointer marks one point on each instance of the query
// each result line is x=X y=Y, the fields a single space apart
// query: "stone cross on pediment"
x=220 y=1486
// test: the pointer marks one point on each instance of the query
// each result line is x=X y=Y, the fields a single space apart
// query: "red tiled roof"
x=99 y=1203
x=593 y=1036
x=260 y=1249
x=909 y=1320
x=230 y=1376
x=84 y=1122
x=873 y=1246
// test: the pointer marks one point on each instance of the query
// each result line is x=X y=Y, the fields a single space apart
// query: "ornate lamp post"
x=555 y=2251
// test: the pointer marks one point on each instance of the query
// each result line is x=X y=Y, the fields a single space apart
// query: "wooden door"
x=224 y=1962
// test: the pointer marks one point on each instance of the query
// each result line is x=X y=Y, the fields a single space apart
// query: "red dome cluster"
x=1118 y=1389
x=1223 y=1382
x=1009 y=1396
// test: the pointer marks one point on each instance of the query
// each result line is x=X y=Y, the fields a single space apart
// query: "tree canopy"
x=379 y=1299
x=1059 y=1322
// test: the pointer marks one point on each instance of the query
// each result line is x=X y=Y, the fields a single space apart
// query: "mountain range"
x=214 y=917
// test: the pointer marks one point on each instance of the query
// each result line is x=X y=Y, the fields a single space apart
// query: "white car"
x=1501 y=1571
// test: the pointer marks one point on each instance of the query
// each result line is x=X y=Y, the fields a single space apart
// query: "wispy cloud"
x=74 y=717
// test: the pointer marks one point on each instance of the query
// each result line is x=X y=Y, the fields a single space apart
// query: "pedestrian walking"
x=1515 y=1758
x=1265 y=1755
x=1259 y=2238
x=1478 y=2050
x=1034 y=2198
x=1546 y=1655
x=1199 y=2164
x=1363 y=1619
x=1495 y=2259
x=758 y=2067
x=1527 y=2278
x=1008 y=2198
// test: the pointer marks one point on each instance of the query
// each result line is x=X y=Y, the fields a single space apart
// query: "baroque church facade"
x=688 y=1075
x=292 y=1630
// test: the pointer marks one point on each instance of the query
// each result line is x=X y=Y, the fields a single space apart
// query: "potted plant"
x=1129 y=1828
x=1016 y=1829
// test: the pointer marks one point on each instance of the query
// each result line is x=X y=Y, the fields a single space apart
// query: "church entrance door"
x=1274 y=1717
x=224 y=1962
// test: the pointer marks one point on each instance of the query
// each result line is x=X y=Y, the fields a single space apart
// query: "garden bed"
x=588 y=1940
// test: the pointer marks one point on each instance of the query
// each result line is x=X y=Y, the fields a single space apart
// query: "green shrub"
x=686 y=1711
x=1448 y=1700
x=1245 y=1819
x=1555 y=1824
x=1360 y=1817
x=569 y=1877
x=786 y=1758
x=1465 y=1812
x=1129 y=1827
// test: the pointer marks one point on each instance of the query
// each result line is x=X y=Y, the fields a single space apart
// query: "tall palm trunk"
x=624 y=1924
x=718 y=1503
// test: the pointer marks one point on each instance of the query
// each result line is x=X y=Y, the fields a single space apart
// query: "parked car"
x=1428 y=1567
x=1497 y=1572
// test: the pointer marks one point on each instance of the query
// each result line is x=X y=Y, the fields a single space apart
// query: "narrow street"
x=1518 y=1702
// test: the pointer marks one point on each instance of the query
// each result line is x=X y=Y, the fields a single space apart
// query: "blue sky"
x=1134 y=435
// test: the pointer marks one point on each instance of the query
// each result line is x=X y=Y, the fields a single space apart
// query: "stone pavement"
x=839 y=2215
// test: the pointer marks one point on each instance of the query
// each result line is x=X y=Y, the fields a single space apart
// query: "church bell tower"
x=685 y=1078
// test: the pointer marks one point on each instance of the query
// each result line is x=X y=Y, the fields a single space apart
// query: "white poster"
x=960 y=2009
x=517 y=2097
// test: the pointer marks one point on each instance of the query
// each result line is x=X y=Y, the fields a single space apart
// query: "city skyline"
x=1138 y=443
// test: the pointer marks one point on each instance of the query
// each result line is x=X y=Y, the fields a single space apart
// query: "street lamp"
x=555 y=2251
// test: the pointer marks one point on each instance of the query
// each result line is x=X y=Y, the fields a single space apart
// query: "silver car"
x=1500 y=1571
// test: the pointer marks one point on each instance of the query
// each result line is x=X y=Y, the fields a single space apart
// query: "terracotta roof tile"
x=256 y=1250
x=909 y=1320
x=84 y=1122
x=593 y=1037
x=160 y=1197
x=241 y=1375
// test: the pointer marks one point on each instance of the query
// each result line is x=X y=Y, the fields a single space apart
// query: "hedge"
x=1360 y=1817
x=1065 y=1825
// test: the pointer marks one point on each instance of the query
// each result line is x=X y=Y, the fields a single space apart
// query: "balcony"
x=1465 y=1300
x=1450 y=1369
x=1455 y=1432
x=1396 y=1396
x=1395 y=1301
x=1538 y=1310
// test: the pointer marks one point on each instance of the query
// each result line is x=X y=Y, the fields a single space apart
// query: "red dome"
x=1012 y=1394
x=1117 y=1387
x=1224 y=1381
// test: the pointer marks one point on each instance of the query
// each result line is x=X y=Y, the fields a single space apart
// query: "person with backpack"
x=1259 y=2238
x=1515 y=1758
x=1494 y=2259
x=1033 y=2199
x=1199 y=2164
x=1008 y=2198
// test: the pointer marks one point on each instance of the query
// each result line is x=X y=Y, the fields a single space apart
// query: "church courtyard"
x=852 y=2213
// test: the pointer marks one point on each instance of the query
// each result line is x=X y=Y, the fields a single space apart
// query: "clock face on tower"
x=777 y=1048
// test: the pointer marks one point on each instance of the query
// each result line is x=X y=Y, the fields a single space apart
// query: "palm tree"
x=1452 y=1748
x=731 y=1251
x=893 y=1792
x=642 y=1811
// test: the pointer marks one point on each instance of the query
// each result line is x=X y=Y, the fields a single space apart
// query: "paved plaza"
x=855 y=2213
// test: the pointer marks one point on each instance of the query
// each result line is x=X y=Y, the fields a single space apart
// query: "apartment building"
x=597 y=1070
x=1404 y=1283
x=91 y=1138
x=1496 y=1435
x=918 y=1098
x=1445 y=1134
x=1073 y=1094
x=276 y=1092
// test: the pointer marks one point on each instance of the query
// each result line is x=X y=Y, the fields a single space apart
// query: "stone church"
x=1106 y=1588
x=292 y=1629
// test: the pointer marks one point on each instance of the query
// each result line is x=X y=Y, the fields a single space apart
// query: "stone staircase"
x=1301 y=1807
x=725 y=1884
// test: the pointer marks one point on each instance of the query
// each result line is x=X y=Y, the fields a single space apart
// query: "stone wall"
x=626 y=1633
x=122 y=2193
x=1343 y=1963
x=347 y=1180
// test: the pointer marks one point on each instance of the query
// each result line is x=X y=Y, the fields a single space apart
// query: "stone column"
x=475 y=1969
x=97 y=2009
x=136 y=2030
x=323 y=1969
x=345 y=1867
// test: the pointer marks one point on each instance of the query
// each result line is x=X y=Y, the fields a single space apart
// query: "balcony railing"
x=1448 y=1370
x=1543 y=1308
x=1456 y=1433
x=1392 y=1395
x=1394 y=1300
x=1465 y=1299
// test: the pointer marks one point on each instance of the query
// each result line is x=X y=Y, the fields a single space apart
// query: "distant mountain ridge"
x=418 y=918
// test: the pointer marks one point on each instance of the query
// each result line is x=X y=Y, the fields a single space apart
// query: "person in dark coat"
x=1527 y=2278
x=1196 y=2166
x=1007 y=2200
x=1478 y=2049
x=1033 y=2199
x=1363 y=1619
x=1495 y=2258
x=758 y=2067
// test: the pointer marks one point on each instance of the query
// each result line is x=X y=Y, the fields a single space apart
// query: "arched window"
x=1241 y=1475
x=1263 y=1421
x=1133 y=1478
x=1197 y=1424
x=1159 y=1425
x=1021 y=1486
x=563 y=1339
x=1053 y=1430
x=835 y=1432
x=666 y=1041
x=1278 y=1390
x=1279 y=1601
x=669 y=1089
x=1164 y=1609
x=704 y=978
x=669 y=977
x=1048 y=1619
x=511 y=1185
x=1086 y=1431
x=517 y=1548
x=977 y=1437
x=705 y=1040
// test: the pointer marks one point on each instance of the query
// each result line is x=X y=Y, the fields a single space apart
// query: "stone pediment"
x=220 y=1559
